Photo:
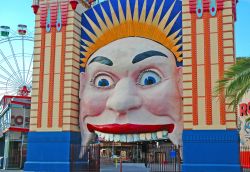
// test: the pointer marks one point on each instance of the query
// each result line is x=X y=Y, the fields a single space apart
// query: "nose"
x=124 y=97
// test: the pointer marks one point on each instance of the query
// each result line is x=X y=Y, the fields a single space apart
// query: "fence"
x=164 y=158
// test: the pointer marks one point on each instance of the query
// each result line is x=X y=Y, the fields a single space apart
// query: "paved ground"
x=127 y=167
x=12 y=170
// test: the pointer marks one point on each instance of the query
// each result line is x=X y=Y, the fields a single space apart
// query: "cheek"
x=94 y=102
x=163 y=99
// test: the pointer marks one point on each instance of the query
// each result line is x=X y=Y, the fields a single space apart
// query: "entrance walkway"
x=126 y=167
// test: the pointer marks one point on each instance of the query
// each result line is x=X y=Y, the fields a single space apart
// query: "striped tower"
x=210 y=139
x=54 y=132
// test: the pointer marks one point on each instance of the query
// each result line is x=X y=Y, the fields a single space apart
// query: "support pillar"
x=211 y=151
x=54 y=139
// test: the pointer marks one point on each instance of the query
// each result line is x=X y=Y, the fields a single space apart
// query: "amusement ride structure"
x=16 y=60
x=16 y=64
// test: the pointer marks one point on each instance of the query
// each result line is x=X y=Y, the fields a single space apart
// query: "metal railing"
x=165 y=158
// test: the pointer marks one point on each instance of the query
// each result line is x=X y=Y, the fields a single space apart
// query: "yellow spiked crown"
x=157 y=20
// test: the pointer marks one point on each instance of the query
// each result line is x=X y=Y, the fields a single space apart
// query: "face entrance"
x=160 y=156
x=118 y=91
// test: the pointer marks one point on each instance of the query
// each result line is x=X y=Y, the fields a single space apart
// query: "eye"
x=103 y=81
x=148 y=78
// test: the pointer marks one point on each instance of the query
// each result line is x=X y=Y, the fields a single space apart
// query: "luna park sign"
x=244 y=109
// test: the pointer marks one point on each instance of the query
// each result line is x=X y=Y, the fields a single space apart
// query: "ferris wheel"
x=16 y=60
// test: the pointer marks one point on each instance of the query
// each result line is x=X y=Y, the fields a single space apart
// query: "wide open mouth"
x=131 y=132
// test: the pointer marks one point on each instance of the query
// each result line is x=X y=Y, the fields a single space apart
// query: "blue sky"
x=16 y=12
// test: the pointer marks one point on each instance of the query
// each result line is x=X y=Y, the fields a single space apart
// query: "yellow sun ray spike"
x=128 y=11
x=158 y=14
x=107 y=19
x=121 y=14
x=150 y=26
x=143 y=13
x=100 y=21
x=151 y=13
x=171 y=24
x=114 y=17
x=136 y=12
x=166 y=17
x=98 y=32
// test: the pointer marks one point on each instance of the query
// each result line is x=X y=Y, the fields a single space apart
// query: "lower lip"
x=130 y=128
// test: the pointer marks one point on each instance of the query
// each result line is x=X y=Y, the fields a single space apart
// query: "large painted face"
x=131 y=91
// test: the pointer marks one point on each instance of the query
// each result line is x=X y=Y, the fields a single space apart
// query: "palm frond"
x=236 y=82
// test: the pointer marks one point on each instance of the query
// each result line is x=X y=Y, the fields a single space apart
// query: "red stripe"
x=194 y=71
x=20 y=103
x=18 y=129
x=41 y=78
x=51 y=77
x=61 y=100
x=207 y=66
x=221 y=68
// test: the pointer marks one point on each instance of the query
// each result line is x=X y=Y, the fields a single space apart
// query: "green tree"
x=236 y=81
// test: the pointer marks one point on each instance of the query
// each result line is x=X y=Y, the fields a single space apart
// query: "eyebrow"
x=102 y=60
x=147 y=54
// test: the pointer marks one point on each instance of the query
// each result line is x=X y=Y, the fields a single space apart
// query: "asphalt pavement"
x=126 y=167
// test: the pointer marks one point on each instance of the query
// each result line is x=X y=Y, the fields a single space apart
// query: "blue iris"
x=103 y=83
x=149 y=78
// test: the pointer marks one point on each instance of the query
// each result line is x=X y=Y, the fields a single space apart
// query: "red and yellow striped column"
x=56 y=70
x=54 y=129
x=208 y=50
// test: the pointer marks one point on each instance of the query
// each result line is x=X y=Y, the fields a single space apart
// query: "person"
x=131 y=88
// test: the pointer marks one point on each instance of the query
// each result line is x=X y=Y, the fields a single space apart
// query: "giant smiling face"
x=131 y=91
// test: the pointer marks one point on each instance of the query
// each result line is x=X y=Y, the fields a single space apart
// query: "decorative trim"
x=48 y=21
x=206 y=4
x=213 y=7
x=64 y=8
x=61 y=100
x=207 y=68
x=51 y=77
x=41 y=79
x=53 y=14
x=194 y=70
x=221 y=68
x=43 y=15
x=17 y=129
x=59 y=19
x=53 y=11
x=199 y=8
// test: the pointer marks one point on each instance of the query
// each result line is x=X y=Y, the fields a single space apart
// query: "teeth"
x=136 y=137
x=123 y=138
x=159 y=134
x=164 y=134
x=148 y=136
x=133 y=137
x=130 y=138
x=106 y=137
x=142 y=136
x=103 y=135
x=98 y=134
x=154 y=136
x=111 y=137
x=116 y=137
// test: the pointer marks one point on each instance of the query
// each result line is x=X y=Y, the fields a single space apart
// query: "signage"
x=244 y=109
